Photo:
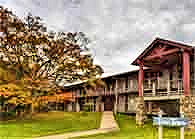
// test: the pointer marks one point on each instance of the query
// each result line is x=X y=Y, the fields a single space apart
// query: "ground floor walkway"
x=108 y=124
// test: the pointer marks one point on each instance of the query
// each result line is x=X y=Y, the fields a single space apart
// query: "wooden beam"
x=140 y=80
x=153 y=88
x=180 y=45
x=160 y=55
x=186 y=73
x=158 y=67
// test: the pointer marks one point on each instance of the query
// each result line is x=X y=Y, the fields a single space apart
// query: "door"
x=108 y=104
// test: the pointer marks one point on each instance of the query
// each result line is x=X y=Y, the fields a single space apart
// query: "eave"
x=180 y=46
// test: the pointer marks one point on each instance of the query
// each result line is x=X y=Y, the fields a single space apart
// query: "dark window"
x=126 y=83
x=171 y=76
x=160 y=74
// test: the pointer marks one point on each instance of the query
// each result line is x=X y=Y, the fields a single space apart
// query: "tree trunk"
x=32 y=108
x=34 y=101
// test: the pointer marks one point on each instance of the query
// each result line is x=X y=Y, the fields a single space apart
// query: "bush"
x=84 y=113
x=87 y=107
x=44 y=108
x=7 y=115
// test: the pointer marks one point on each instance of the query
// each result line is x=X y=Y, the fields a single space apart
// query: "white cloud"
x=189 y=28
x=120 y=30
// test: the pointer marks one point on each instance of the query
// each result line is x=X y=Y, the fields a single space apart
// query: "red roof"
x=165 y=42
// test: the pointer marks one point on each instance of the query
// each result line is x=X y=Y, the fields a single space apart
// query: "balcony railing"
x=163 y=94
x=126 y=90
x=163 y=87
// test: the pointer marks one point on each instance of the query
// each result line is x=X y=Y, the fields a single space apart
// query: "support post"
x=64 y=106
x=140 y=108
x=149 y=81
x=150 y=107
x=110 y=90
x=140 y=80
x=106 y=91
x=116 y=97
x=131 y=85
x=186 y=107
x=140 y=111
x=97 y=106
x=77 y=106
x=69 y=109
x=154 y=88
x=160 y=128
x=123 y=81
x=168 y=83
x=182 y=128
x=102 y=106
x=56 y=105
x=158 y=80
x=186 y=73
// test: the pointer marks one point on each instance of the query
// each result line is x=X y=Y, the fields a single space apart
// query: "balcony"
x=163 y=89
x=127 y=90
x=152 y=89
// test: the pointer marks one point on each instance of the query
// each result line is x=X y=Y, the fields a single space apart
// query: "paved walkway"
x=108 y=124
x=108 y=121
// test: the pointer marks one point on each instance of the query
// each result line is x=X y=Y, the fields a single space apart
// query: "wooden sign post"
x=170 y=121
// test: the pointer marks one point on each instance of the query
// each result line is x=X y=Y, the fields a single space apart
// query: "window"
x=126 y=83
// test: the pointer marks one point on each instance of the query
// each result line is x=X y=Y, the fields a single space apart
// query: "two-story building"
x=166 y=75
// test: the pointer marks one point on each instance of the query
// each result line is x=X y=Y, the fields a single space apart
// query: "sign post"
x=170 y=121
x=182 y=128
x=160 y=128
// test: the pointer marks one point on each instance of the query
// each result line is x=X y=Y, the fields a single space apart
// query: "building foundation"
x=140 y=111
x=187 y=106
x=69 y=107
x=77 y=107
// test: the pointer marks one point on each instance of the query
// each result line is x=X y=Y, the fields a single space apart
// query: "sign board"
x=170 y=121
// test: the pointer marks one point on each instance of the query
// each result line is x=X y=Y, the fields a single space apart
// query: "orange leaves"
x=65 y=96
x=6 y=94
x=42 y=60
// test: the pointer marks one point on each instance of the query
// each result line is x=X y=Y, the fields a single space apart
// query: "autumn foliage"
x=36 y=62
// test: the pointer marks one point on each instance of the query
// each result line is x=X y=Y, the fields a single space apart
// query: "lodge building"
x=165 y=79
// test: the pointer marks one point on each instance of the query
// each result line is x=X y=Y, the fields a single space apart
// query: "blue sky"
x=119 y=30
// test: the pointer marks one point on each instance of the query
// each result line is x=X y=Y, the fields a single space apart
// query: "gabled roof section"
x=161 y=41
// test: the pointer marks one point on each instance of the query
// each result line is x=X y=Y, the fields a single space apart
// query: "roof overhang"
x=176 y=47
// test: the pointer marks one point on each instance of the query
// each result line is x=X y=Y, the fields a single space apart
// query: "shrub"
x=44 y=108
x=87 y=107
x=7 y=115
x=84 y=113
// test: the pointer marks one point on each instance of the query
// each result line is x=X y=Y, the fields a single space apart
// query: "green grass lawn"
x=128 y=130
x=49 y=123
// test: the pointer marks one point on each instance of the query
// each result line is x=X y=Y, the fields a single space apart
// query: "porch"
x=171 y=69
x=170 y=78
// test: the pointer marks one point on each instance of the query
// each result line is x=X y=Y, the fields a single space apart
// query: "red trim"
x=162 y=42
x=162 y=54
x=186 y=73
x=140 y=80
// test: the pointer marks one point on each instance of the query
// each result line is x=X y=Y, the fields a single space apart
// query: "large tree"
x=41 y=60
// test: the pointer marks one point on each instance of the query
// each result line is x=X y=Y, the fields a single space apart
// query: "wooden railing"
x=126 y=90
x=163 y=87
x=163 y=94
x=159 y=87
